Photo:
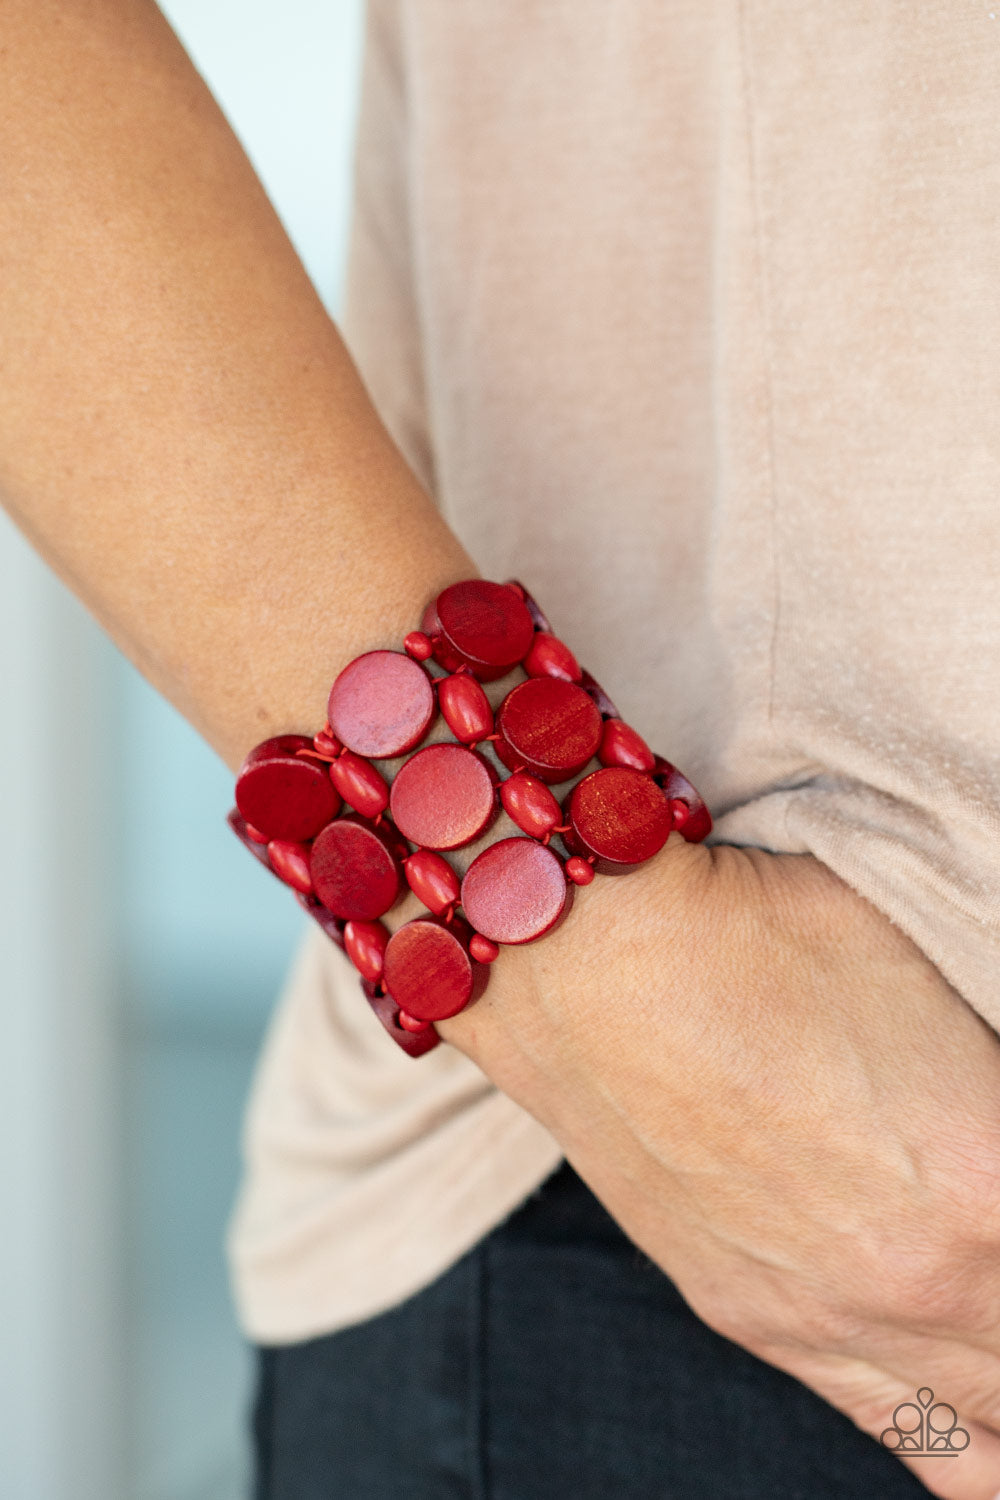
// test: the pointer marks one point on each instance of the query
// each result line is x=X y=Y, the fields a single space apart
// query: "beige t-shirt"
x=689 y=316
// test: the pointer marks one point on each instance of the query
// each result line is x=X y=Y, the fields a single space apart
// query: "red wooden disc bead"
x=619 y=816
x=432 y=880
x=381 y=705
x=530 y=804
x=465 y=707
x=485 y=625
x=443 y=797
x=355 y=869
x=621 y=745
x=359 y=784
x=549 y=727
x=514 y=891
x=428 y=970
x=283 y=794
x=365 y=944
x=550 y=657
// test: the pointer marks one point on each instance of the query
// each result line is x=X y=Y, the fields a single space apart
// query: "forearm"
x=182 y=433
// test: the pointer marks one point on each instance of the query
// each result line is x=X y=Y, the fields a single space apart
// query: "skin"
x=770 y=1087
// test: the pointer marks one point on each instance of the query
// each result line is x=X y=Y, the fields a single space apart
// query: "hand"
x=785 y=1105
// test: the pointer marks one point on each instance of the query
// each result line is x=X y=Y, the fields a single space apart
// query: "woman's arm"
x=182 y=433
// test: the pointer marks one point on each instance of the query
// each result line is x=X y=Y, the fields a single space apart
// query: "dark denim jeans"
x=552 y=1363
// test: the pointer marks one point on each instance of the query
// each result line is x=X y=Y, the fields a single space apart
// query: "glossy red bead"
x=255 y=834
x=412 y=1023
x=432 y=880
x=428 y=970
x=387 y=1011
x=550 y=657
x=381 y=705
x=482 y=950
x=365 y=944
x=443 y=797
x=360 y=784
x=692 y=818
x=549 y=727
x=465 y=708
x=514 y=891
x=621 y=745
x=326 y=744
x=290 y=862
x=486 y=625
x=355 y=870
x=418 y=645
x=530 y=804
x=579 y=871
x=619 y=816
x=282 y=794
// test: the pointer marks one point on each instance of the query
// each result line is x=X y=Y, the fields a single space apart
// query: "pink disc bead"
x=360 y=784
x=530 y=804
x=418 y=645
x=485 y=625
x=381 y=705
x=550 y=657
x=482 y=950
x=355 y=869
x=549 y=727
x=443 y=797
x=465 y=708
x=621 y=745
x=432 y=880
x=283 y=794
x=290 y=862
x=579 y=871
x=428 y=970
x=365 y=943
x=515 y=891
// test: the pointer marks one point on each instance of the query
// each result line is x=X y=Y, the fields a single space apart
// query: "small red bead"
x=549 y=727
x=432 y=880
x=255 y=834
x=365 y=943
x=579 y=871
x=360 y=784
x=283 y=794
x=550 y=657
x=290 y=862
x=482 y=950
x=381 y=705
x=621 y=745
x=327 y=744
x=355 y=869
x=619 y=817
x=412 y=1023
x=443 y=797
x=428 y=971
x=530 y=804
x=418 y=645
x=514 y=891
x=485 y=624
x=465 y=707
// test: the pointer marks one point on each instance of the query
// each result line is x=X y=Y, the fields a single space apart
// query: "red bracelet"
x=325 y=819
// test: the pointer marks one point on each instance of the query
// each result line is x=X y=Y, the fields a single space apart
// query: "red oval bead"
x=428 y=971
x=696 y=824
x=326 y=744
x=486 y=624
x=381 y=705
x=418 y=645
x=514 y=891
x=549 y=727
x=579 y=871
x=290 y=862
x=621 y=745
x=365 y=944
x=530 y=804
x=432 y=880
x=282 y=794
x=551 y=657
x=387 y=1011
x=412 y=1023
x=360 y=784
x=443 y=797
x=618 y=815
x=482 y=950
x=465 y=707
x=355 y=871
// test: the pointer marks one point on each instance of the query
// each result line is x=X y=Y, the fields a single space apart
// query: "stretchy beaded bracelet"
x=410 y=767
